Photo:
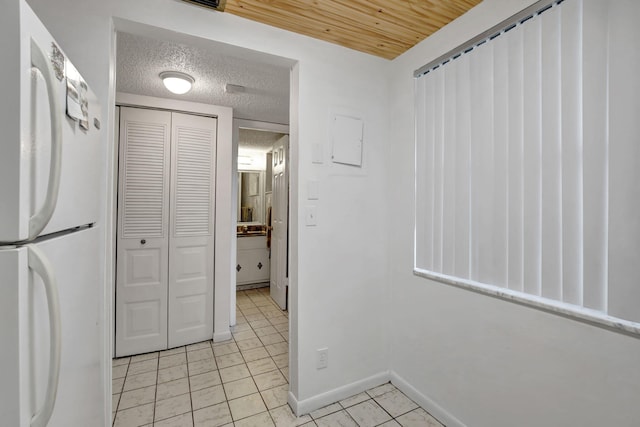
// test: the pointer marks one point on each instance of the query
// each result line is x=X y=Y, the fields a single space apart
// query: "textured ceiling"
x=384 y=28
x=381 y=28
x=257 y=140
x=141 y=59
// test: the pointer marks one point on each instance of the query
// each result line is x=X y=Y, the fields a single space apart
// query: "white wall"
x=487 y=362
x=339 y=277
x=255 y=160
x=484 y=361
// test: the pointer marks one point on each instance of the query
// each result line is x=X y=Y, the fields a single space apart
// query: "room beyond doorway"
x=262 y=200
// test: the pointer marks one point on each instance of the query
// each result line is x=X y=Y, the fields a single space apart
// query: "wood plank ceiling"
x=382 y=28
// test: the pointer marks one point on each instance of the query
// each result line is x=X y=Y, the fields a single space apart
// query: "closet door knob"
x=143 y=241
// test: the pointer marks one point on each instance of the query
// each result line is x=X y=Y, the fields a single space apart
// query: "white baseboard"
x=303 y=407
x=221 y=336
x=293 y=404
x=429 y=405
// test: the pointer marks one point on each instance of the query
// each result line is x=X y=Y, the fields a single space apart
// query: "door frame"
x=121 y=24
x=224 y=247
x=253 y=125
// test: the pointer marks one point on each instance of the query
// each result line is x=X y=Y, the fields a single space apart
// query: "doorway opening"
x=262 y=208
x=140 y=52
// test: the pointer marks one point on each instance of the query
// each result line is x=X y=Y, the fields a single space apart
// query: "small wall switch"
x=311 y=216
x=316 y=154
x=313 y=190
x=322 y=358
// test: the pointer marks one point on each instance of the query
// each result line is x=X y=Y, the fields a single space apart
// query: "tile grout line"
x=250 y=374
x=186 y=356
x=270 y=357
x=377 y=404
x=155 y=395
x=254 y=380
x=226 y=398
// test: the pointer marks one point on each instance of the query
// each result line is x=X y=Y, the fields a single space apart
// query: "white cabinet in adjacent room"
x=253 y=260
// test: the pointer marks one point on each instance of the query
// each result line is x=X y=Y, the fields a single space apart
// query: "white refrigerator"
x=54 y=364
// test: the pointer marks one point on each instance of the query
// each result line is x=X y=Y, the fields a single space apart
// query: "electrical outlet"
x=322 y=358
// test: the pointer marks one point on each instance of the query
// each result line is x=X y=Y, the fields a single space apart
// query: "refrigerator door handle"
x=41 y=218
x=40 y=265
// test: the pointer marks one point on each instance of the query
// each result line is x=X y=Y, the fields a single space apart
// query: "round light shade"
x=176 y=82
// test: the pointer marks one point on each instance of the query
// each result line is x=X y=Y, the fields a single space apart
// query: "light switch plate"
x=313 y=190
x=317 y=156
x=311 y=216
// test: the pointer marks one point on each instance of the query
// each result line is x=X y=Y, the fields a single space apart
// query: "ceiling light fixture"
x=176 y=82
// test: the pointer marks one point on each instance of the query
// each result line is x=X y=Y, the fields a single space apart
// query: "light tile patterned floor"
x=242 y=382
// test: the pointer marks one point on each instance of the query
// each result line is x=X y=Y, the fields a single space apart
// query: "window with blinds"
x=528 y=159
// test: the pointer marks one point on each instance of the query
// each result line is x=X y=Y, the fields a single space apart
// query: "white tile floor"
x=242 y=382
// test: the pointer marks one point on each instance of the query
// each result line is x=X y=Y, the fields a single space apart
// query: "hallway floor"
x=242 y=382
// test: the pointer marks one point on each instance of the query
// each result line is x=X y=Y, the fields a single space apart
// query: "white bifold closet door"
x=193 y=145
x=143 y=240
x=164 y=280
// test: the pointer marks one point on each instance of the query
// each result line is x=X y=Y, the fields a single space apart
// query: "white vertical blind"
x=571 y=155
x=528 y=160
x=623 y=215
x=595 y=153
x=515 y=144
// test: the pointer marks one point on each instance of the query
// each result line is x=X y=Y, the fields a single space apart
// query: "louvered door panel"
x=192 y=239
x=194 y=180
x=142 y=245
x=144 y=180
